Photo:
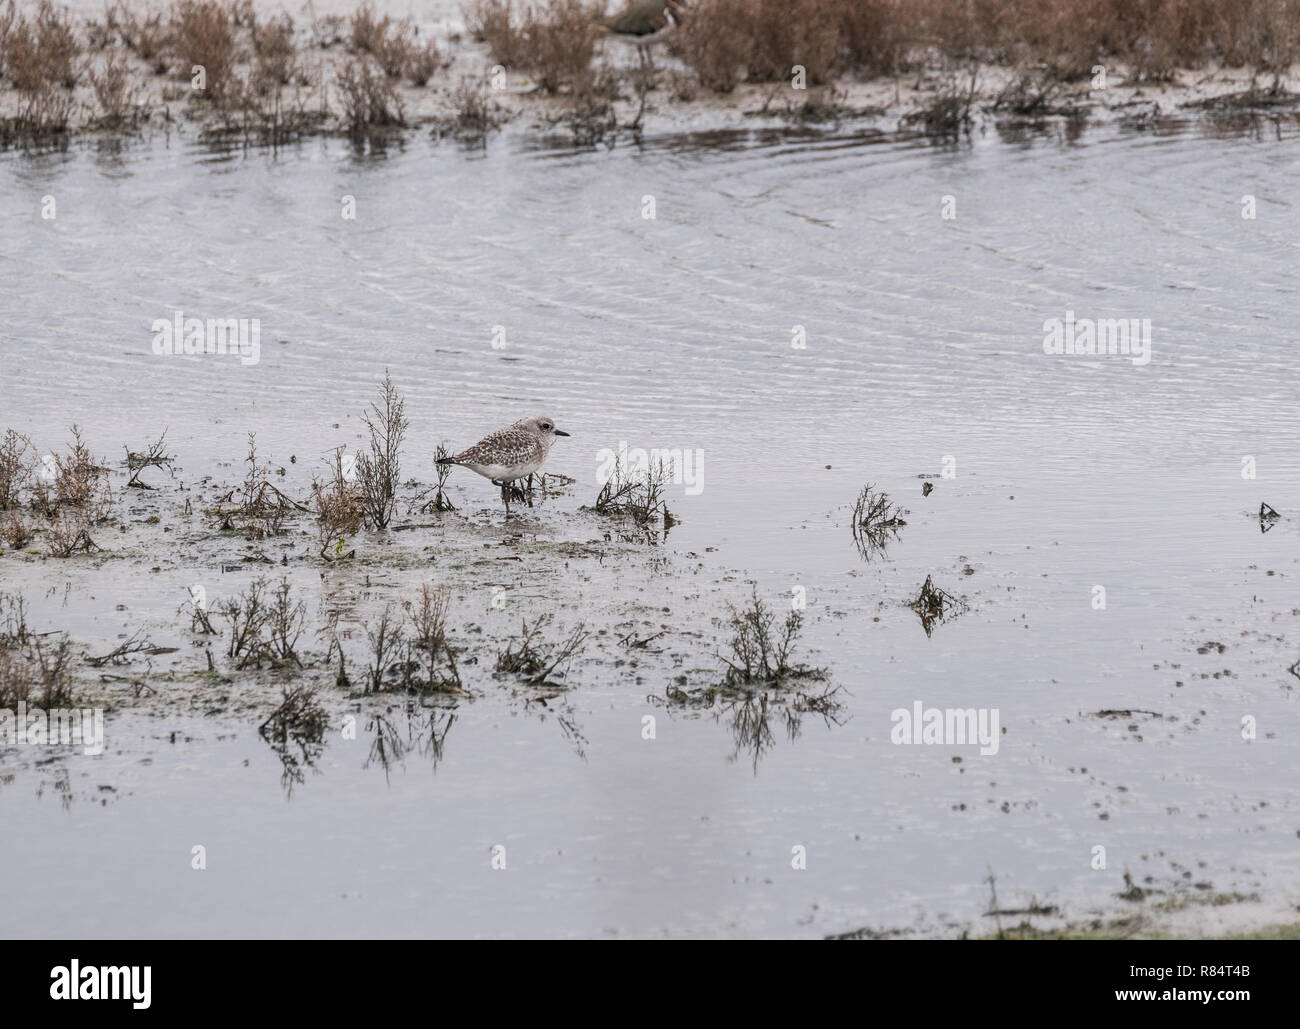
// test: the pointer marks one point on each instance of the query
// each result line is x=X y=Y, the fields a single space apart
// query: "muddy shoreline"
x=177 y=685
x=834 y=310
x=324 y=85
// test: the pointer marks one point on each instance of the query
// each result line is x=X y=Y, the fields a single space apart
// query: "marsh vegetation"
x=242 y=72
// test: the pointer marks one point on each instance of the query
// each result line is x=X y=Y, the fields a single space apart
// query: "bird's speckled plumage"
x=514 y=452
x=505 y=447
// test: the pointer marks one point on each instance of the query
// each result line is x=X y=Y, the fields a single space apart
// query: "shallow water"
x=924 y=340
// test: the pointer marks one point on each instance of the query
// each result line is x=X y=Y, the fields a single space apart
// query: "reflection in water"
x=675 y=330
x=1026 y=131
x=876 y=522
x=1267 y=518
x=416 y=729
x=565 y=716
x=934 y=606
x=749 y=718
x=62 y=786
x=749 y=713
x=296 y=733
x=648 y=534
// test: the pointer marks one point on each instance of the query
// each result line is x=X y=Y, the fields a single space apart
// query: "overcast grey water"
x=808 y=312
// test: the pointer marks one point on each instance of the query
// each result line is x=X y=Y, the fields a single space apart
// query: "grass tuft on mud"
x=534 y=659
x=760 y=652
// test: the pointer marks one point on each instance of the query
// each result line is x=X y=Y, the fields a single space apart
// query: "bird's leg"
x=505 y=495
x=644 y=84
x=530 y=489
x=510 y=491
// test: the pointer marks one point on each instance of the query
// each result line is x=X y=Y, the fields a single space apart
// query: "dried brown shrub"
x=8 y=15
x=876 y=35
x=432 y=659
x=423 y=63
x=68 y=532
x=379 y=468
x=17 y=460
x=40 y=673
x=366 y=29
x=395 y=49
x=115 y=94
x=554 y=39
x=149 y=35
x=561 y=42
x=76 y=479
x=535 y=659
x=784 y=34
x=276 y=55
x=203 y=38
x=43 y=52
x=493 y=22
x=340 y=507
x=370 y=100
x=714 y=44
x=15 y=533
x=474 y=115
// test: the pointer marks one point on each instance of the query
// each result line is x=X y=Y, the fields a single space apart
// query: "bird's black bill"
x=560 y=432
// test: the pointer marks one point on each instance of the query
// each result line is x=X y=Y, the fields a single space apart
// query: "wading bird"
x=644 y=24
x=510 y=454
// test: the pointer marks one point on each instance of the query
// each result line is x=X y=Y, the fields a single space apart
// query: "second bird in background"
x=644 y=24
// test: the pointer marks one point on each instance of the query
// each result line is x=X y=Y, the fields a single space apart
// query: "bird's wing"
x=640 y=19
x=505 y=446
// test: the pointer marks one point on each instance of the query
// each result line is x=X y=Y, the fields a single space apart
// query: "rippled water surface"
x=924 y=342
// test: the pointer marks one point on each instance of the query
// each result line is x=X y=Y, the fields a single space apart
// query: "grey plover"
x=510 y=454
x=644 y=24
